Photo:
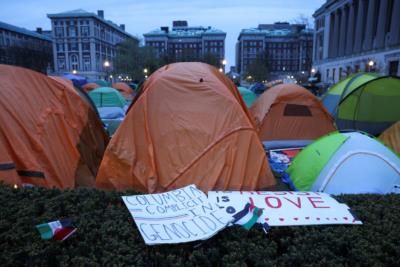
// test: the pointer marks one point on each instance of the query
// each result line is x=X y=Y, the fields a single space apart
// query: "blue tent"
x=76 y=79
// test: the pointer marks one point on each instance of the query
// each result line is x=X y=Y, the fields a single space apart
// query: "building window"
x=59 y=31
x=72 y=31
x=86 y=64
x=74 y=62
x=85 y=31
x=61 y=63
x=73 y=46
x=86 y=46
x=60 y=47
x=327 y=74
x=393 y=67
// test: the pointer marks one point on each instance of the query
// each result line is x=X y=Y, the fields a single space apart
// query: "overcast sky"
x=141 y=16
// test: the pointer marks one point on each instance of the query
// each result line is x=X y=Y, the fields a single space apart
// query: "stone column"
x=359 y=27
x=337 y=33
x=350 y=30
x=380 y=30
x=326 y=39
x=371 y=21
x=333 y=20
x=395 y=23
x=342 y=34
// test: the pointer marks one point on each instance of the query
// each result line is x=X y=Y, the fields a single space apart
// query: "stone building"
x=356 y=35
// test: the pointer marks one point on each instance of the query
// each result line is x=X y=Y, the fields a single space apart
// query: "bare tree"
x=303 y=19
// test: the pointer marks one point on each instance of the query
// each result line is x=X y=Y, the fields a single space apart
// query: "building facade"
x=25 y=48
x=356 y=35
x=85 y=43
x=187 y=43
x=286 y=47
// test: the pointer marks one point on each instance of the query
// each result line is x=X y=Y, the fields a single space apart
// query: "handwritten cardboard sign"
x=286 y=208
x=177 y=216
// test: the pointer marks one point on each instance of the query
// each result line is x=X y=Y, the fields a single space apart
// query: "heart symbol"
x=267 y=219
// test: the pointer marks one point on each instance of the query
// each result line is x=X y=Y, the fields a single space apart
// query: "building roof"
x=85 y=14
x=324 y=7
x=186 y=32
x=277 y=30
x=24 y=31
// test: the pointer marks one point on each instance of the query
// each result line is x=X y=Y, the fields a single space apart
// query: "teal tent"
x=102 y=83
x=248 y=96
x=107 y=97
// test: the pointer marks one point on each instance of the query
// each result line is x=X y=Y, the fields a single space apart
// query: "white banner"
x=177 y=216
x=286 y=208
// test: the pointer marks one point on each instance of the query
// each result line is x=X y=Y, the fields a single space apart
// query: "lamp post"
x=145 y=71
x=371 y=65
x=223 y=64
x=106 y=66
x=74 y=71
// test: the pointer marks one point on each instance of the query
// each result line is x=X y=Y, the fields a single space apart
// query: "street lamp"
x=220 y=69
x=106 y=66
x=313 y=70
x=223 y=64
x=74 y=71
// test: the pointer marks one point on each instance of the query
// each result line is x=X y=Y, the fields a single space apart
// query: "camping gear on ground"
x=76 y=79
x=189 y=125
x=107 y=97
x=90 y=86
x=248 y=96
x=391 y=137
x=257 y=88
x=112 y=118
x=365 y=102
x=126 y=91
x=49 y=135
x=346 y=163
x=290 y=112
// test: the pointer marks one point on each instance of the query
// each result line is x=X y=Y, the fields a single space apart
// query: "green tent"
x=345 y=163
x=107 y=97
x=364 y=102
x=248 y=96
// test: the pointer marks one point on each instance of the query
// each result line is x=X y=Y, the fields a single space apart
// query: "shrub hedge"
x=107 y=236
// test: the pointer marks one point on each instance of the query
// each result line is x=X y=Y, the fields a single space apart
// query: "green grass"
x=107 y=236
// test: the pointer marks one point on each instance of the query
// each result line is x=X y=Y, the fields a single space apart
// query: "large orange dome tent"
x=50 y=136
x=189 y=125
x=290 y=112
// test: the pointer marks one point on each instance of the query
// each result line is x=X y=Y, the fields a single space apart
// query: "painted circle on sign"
x=230 y=210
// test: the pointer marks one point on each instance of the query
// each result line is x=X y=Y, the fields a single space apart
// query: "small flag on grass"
x=248 y=216
x=56 y=230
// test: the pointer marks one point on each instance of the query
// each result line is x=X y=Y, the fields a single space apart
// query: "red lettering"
x=278 y=202
x=263 y=192
x=314 y=202
x=297 y=204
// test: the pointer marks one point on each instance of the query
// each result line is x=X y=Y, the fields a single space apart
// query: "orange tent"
x=90 y=86
x=49 y=136
x=124 y=89
x=189 y=125
x=391 y=137
x=290 y=112
x=62 y=80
